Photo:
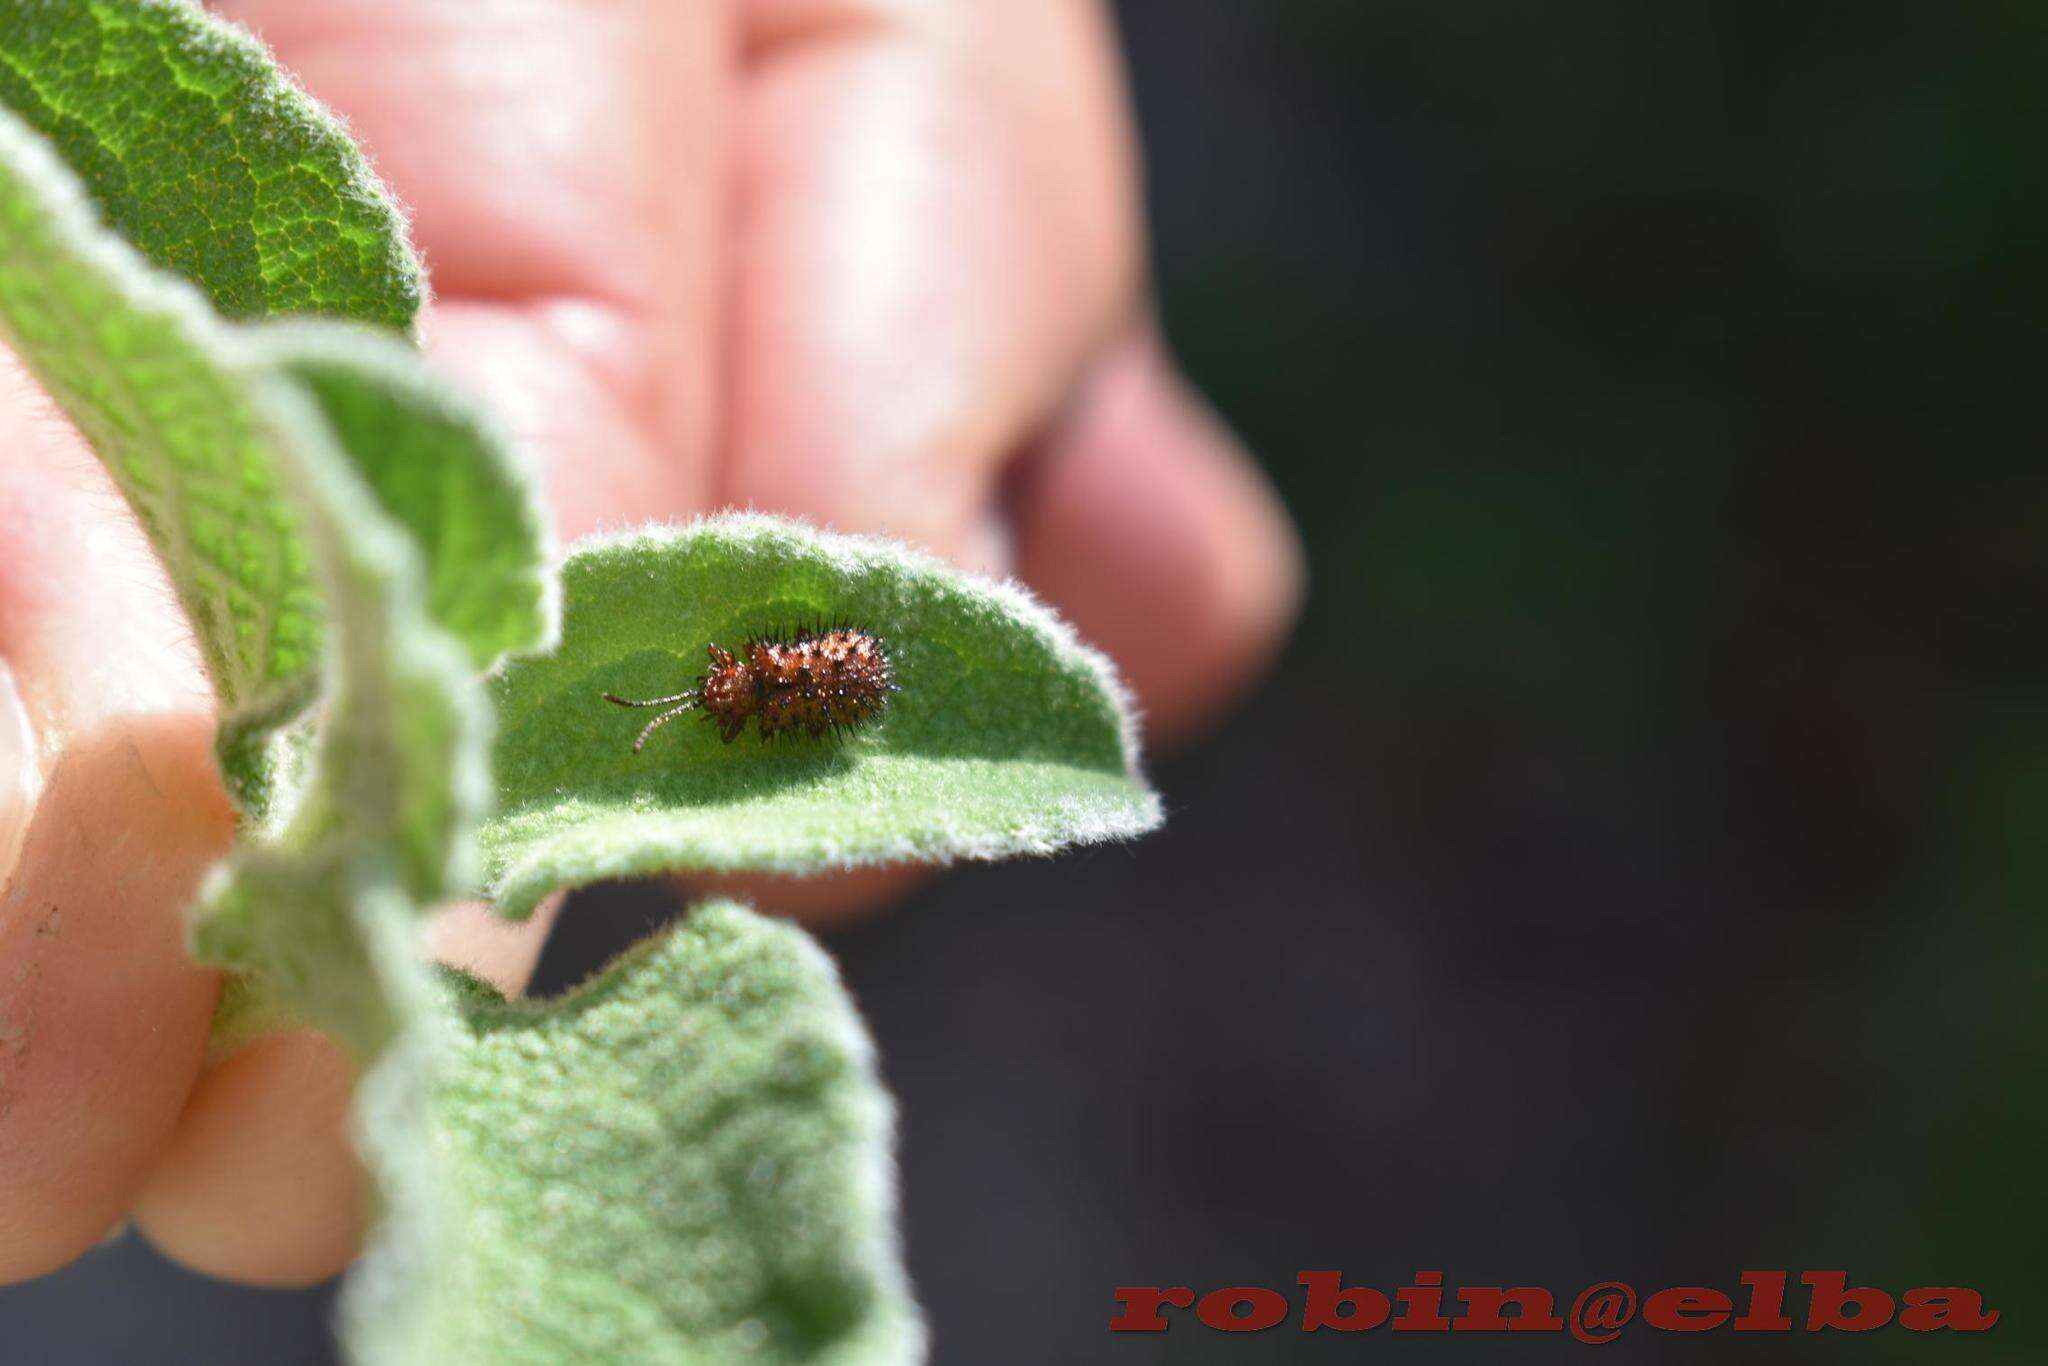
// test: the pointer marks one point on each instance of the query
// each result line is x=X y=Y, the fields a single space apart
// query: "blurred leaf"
x=686 y=1161
x=395 y=777
x=436 y=466
x=1007 y=735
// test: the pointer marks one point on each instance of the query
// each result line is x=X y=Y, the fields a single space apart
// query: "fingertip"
x=559 y=377
x=471 y=936
x=1142 y=518
x=822 y=899
x=938 y=220
x=103 y=1018
x=261 y=1183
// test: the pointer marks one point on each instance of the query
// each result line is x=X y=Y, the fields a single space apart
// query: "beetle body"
x=816 y=682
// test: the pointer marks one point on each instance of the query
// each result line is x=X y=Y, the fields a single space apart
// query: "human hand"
x=876 y=263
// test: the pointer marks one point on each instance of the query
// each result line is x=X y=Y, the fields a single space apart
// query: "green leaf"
x=208 y=159
x=1007 y=736
x=684 y=1161
x=438 y=467
x=166 y=394
x=395 y=777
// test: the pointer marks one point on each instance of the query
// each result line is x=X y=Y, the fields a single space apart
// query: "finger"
x=937 y=223
x=1141 y=518
x=563 y=164
x=549 y=374
x=103 y=1020
x=822 y=899
x=475 y=938
x=118 y=811
x=262 y=1181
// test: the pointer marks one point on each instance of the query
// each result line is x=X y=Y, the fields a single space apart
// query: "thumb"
x=110 y=812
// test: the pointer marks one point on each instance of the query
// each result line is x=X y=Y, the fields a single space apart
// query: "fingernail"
x=18 y=773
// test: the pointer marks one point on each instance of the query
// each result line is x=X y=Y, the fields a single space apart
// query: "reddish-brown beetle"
x=816 y=681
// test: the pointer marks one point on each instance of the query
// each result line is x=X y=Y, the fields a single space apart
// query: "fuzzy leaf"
x=395 y=775
x=684 y=1161
x=1007 y=736
x=438 y=467
x=206 y=158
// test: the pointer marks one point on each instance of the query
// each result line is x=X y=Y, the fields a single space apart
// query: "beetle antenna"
x=658 y=722
x=688 y=699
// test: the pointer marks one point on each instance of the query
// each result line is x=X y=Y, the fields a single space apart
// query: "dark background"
x=1636 y=869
